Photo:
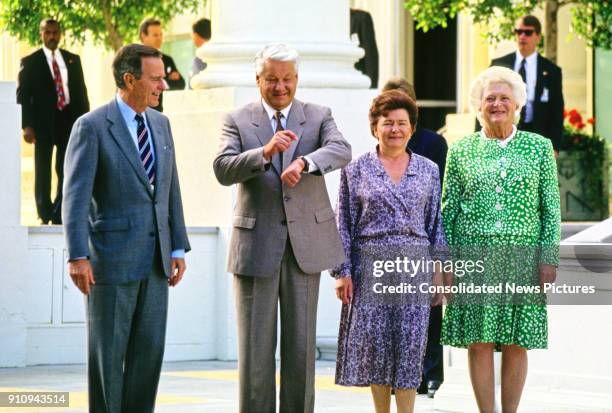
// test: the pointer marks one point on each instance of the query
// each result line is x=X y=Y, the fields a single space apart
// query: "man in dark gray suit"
x=277 y=149
x=125 y=232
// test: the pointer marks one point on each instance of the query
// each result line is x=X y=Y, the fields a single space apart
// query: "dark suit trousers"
x=257 y=302
x=433 y=364
x=43 y=152
x=126 y=335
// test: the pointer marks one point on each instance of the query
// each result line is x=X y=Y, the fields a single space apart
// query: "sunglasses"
x=526 y=32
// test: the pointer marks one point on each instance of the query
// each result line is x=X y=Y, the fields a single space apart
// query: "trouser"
x=433 y=364
x=257 y=301
x=126 y=335
x=43 y=153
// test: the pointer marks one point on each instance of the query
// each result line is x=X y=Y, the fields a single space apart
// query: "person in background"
x=429 y=144
x=501 y=200
x=152 y=35
x=52 y=93
x=200 y=34
x=543 y=112
x=362 y=33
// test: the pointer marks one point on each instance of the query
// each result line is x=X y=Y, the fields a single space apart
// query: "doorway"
x=435 y=74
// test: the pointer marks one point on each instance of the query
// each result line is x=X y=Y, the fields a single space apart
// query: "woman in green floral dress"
x=501 y=202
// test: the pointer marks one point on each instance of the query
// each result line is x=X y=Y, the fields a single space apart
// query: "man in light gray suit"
x=125 y=232
x=277 y=150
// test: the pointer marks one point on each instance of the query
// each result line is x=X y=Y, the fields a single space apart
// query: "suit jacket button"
x=152 y=234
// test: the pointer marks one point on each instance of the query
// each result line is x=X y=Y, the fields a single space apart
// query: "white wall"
x=55 y=310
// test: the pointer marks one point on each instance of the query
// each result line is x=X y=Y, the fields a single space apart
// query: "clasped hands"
x=82 y=274
x=279 y=143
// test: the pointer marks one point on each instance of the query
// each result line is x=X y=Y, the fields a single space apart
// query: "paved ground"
x=211 y=386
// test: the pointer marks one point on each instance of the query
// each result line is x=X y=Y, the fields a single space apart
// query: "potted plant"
x=583 y=171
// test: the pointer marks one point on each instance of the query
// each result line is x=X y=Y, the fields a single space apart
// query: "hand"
x=29 y=135
x=292 y=175
x=548 y=274
x=174 y=75
x=177 y=270
x=438 y=297
x=344 y=289
x=556 y=154
x=279 y=143
x=82 y=275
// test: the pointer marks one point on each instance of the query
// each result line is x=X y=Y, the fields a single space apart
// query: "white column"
x=318 y=29
x=13 y=237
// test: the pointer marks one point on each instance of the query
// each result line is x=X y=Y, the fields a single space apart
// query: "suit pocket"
x=244 y=222
x=115 y=224
x=324 y=215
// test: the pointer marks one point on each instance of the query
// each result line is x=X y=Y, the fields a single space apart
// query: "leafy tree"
x=591 y=20
x=111 y=23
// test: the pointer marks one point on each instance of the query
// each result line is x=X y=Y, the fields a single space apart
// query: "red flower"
x=591 y=121
x=564 y=113
x=580 y=126
x=575 y=118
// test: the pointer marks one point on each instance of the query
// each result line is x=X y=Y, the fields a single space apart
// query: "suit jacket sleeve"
x=556 y=109
x=346 y=215
x=233 y=165
x=178 y=84
x=24 y=93
x=451 y=196
x=550 y=208
x=367 y=38
x=80 y=167
x=335 y=151
x=178 y=232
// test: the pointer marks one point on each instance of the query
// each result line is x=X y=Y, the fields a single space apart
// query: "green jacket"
x=492 y=190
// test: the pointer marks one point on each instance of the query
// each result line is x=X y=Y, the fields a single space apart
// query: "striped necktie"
x=279 y=127
x=144 y=149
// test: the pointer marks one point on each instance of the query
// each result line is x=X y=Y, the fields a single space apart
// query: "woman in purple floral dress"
x=388 y=198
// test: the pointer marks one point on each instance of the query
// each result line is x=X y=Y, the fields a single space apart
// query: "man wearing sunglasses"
x=543 y=113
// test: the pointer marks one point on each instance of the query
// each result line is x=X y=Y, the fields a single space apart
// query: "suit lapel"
x=540 y=79
x=44 y=66
x=295 y=123
x=121 y=135
x=69 y=66
x=159 y=148
x=264 y=132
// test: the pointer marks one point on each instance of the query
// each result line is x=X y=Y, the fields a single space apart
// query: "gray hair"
x=129 y=60
x=279 y=52
x=498 y=74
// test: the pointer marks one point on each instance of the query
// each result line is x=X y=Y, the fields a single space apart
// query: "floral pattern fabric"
x=378 y=343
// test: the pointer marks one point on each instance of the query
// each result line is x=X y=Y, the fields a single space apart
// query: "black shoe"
x=422 y=389
x=432 y=387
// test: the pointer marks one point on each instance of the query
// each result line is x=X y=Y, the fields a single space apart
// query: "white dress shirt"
x=311 y=166
x=531 y=70
x=62 y=68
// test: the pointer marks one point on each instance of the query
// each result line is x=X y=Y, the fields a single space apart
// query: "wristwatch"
x=306 y=164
